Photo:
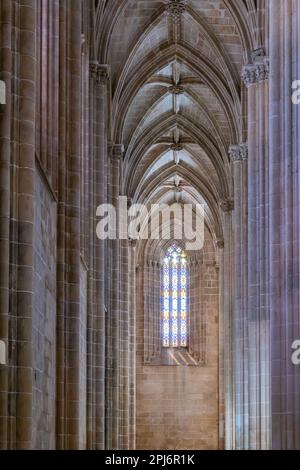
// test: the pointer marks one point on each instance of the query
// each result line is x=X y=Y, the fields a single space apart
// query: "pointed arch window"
x=175 y=299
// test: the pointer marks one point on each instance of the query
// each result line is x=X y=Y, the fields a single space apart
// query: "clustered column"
x=284 y=197
x=255 y=77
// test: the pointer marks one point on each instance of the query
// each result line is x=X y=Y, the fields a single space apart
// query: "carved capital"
x=256 y=72
x=100 y=73
x=175 y=8
x=116 y=151
x=227 y=205
x=238 y=153
x=176 y=90
x=220 y=243
x=249 y=75
x=263 y=70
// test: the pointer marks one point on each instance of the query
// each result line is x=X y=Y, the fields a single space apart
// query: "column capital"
x=227 y=205
x=238 y=153
x=256 y=72
x=220 y=243
x=100 y=72
x=249 y=75
x=116 y=151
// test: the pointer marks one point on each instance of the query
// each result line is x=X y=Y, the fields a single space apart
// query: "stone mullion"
x=5 y=187
x=158 y=311
x=191 y=307
x=284 y=221
x=239 y=157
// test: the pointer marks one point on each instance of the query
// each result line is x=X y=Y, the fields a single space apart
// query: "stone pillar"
x=239 y=157
x=69 y=255
x=255 y=77
x=284 y=197
x=22 y=214
x=6 y=23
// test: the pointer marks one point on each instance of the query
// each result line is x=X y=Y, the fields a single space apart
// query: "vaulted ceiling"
x=176 y=94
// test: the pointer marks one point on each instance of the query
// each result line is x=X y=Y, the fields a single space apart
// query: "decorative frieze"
x=238 y=153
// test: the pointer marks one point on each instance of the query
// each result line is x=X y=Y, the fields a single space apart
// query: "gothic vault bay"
x=139 y=343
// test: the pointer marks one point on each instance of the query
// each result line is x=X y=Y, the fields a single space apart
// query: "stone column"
x=132 y=360
x=226 y=315
x=22 y=216
x=284 y=197
x=69 y=428
x=255 y=77
x=124 y=346
x=239 y=157
x=6 y=23
x=99 y=82
x=113 y=397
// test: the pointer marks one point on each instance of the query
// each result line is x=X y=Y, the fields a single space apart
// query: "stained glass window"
x=174 y=298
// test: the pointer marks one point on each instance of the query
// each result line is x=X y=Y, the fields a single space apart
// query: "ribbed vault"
x=175 y=78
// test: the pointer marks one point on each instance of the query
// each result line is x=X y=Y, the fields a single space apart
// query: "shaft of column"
x=5 y=188
x=239 y=157
x=284 y=196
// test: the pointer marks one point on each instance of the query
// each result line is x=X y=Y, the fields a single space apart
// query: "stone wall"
x=44 y=317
